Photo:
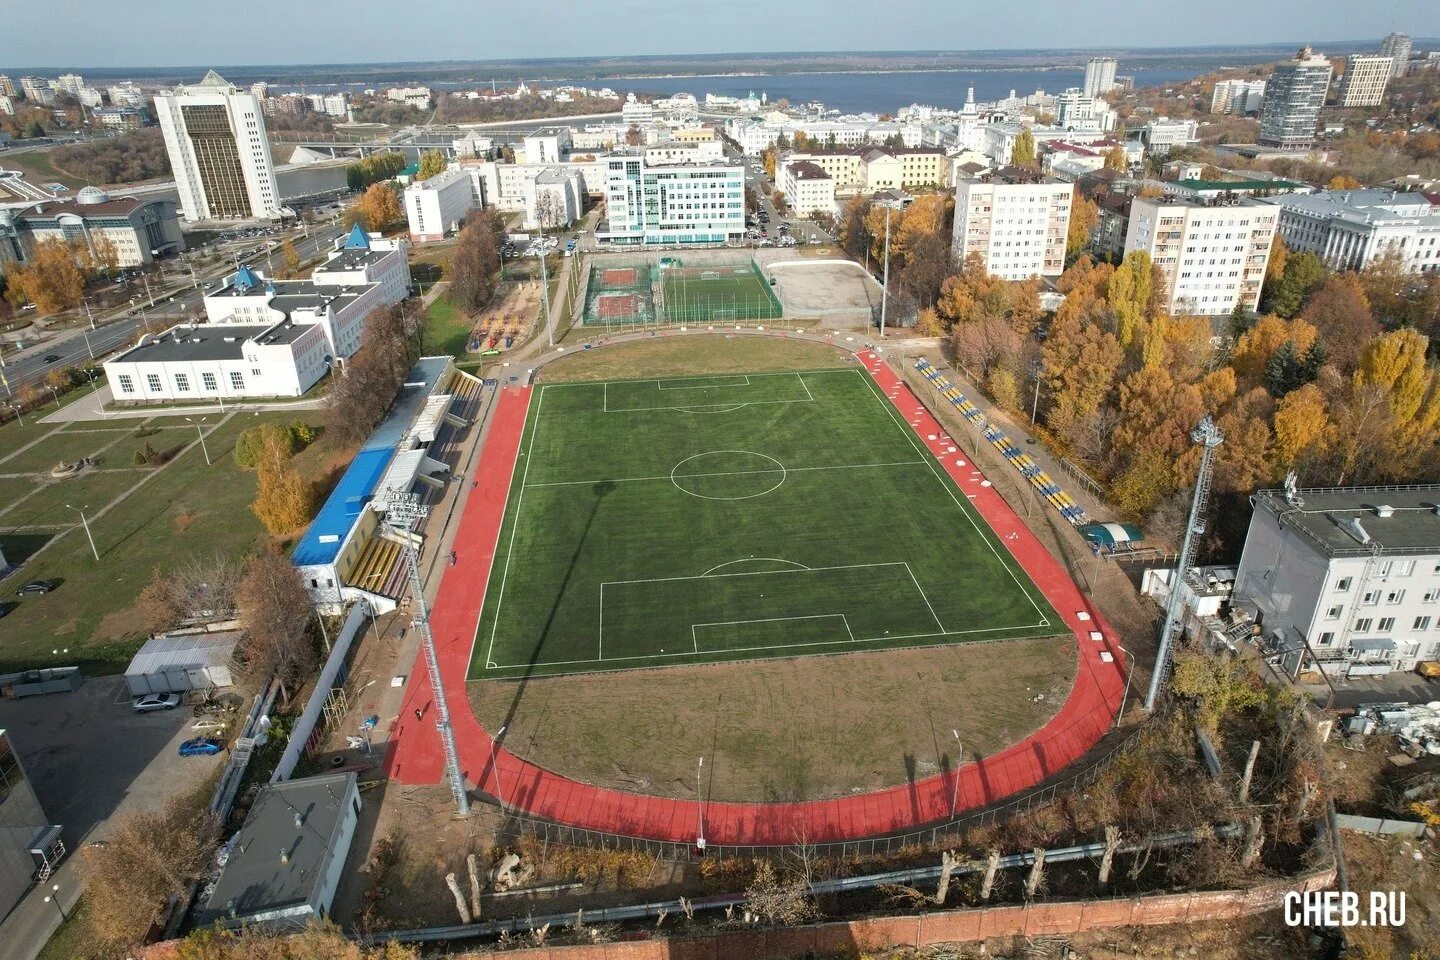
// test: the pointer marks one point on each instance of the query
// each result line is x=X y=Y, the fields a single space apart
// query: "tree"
x=1340 y=312
x=633 y=136
x=1129 y=295
x=854 y=236
x=1253 y=351
x=474 y=263
x=284 y=500
x=378 y=208
x=767 y=160
x=1302 y=275
x=253 y=444
x=1302 y=423
x=1396 y=364
x=51 y=280
x=291 y=257
x=197 y=588
x=1084 y=215
x=1115 y=159
x=317 y=941
x=1343 y=182
x=275 y=609
x=1023 y=154
x=106 y=255
x=432 y=162
x=148 y=857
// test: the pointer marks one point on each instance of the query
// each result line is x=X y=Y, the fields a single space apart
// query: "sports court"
x=667 y=292
x=654 y=522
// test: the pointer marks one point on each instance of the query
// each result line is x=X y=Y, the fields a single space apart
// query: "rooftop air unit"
x=1352 y=526
x=1384 y=510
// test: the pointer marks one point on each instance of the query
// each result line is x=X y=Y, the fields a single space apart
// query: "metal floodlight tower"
x=401 y=513
x=1209 y=437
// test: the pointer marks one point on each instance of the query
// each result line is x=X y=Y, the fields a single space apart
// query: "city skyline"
x=51 y=38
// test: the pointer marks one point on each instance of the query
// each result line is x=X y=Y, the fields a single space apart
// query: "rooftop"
x=112 y=207
x=1207 y=186
x=207 y=341
x=1369 y=205
x=278 y=858
x=807 y=170
x=182 y=650
x=1399 y=520
x=352 y=259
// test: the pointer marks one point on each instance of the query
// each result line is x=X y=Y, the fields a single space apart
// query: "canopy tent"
x=1111 y=534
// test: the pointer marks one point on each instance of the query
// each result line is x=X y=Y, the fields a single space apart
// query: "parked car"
x=6 y=606
x=155 y=701
x=52 y=358
x=38 y=586
x=201 y=747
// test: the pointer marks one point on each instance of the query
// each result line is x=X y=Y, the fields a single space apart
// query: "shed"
x=177 y=662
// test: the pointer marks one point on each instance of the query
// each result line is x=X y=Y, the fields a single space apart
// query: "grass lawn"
x=183 y=508
x=735 y=517
x=68 y=447
x=40 y=169
x=445 y=329
x=89 y=491
x=690 y=355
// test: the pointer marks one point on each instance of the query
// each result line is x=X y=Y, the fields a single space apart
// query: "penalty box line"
x=695 y=627
x=721 y=407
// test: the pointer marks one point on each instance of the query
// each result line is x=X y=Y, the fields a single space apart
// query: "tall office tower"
x=1397 y=46
x=1099 y=76
x=215 y=136
x=1294 y=95
x=1366 y=75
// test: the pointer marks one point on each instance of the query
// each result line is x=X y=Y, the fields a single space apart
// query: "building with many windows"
x=1099 y=76
x=807 y=187
x=1212 y=256
x=1349 y=229
x=1237 y=96
x=1346 y=579
x=671 y=204
x=871 y=169
x=136 y=229
x=219 y=151
x=1396 y=46
x=1294 y=94
x=1366 y=76
x=434 y=208
x=1015 y=221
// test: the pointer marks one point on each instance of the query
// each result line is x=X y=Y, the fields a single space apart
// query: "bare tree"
x=774 y=899
x=198 y=588
x=276 y=611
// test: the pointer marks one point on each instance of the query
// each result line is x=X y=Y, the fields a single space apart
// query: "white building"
x=71 y=83
x=1349 y=229
x=219 y=152
x=636 y=112
x=434 y=208
x=1346 y=578
x=287 y=859
x=808 y=188
x=1237 y=96
x=7 y=105
x=1076 y=111
x=90 y=97
x=1212 y=257
x=1099 y=76
x=545 y=145
x=1294 y=95
x=1000 y=137
x=1163 y=134
x=37 y=91
x=871 y=169
x=417 y=97
x=1366 y=76
x=138 y=229
x=361 y=258
x=126 y=95
x=554 y=198
x=473 y=145
x=1017 y=222
x=685 y=151
x=1396 y=46
x=672 y=204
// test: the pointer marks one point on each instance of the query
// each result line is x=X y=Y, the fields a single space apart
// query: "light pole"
x=88 y=348
x=1124 y=697
x=94 y=389
x=201 y=434
x=700 y=800
x=545 y=280
x=959 y=760
x=90 y=316
x=885 y=273
x=495 y=766
x=1035 y=404
x=54 y=897
x=85 y=522
x=20 y=419
x=145 y=279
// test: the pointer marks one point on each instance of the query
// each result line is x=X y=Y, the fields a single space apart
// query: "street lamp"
x=86 y=523
x=201 y=434
x=1130 y=673
x=495 y=766
x=95 y=389
x=54 y=897
x=18 y=416
x=959 y=759
x=700 y=800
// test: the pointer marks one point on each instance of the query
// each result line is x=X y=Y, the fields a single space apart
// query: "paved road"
x=802 y=230
x=77 y=346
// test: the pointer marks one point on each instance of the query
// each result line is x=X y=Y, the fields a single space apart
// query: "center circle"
x=728 y=475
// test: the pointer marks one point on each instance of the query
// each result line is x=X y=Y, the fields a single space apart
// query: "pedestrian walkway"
x=417 y=756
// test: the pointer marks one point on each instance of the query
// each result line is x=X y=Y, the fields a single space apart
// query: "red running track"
x=416 y=754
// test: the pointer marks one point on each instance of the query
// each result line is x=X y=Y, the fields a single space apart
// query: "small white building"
x=545 y=145
x=1346 y=578
x=554 y=198
x=808 y=188
x=1163 y=134
x=435 y=208
x=285 y=863
x=184 y=660
x=361 y=258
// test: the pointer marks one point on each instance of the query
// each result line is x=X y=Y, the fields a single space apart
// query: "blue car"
x=200 y=747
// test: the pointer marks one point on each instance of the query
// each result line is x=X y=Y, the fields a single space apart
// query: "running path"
x=416 y=757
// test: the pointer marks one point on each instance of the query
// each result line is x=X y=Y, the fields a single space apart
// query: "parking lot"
x=89 y=754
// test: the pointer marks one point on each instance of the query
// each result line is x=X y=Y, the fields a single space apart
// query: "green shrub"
x=303 y=433
x=252 y=443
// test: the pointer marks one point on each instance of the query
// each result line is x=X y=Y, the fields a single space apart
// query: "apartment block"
x=1212 y=256
x=1294 y=94
x=807 y=187
x=1015 y=220
x=1366 y=76
x=219 y=151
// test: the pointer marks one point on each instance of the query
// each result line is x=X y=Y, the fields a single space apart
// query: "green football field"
x=695 y=295
x=658 y=522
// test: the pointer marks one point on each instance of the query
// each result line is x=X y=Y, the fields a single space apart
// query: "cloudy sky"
x=161 y=33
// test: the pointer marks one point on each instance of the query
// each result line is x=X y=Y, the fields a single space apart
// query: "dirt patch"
x=511 y=314
x=831 y=290
x=810 y=728
x=691 y=355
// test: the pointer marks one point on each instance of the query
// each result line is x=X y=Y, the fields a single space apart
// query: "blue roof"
x=322 y=542
x=358 y=239
x=245 y=279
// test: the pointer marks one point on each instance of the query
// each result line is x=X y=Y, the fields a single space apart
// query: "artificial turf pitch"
x=655 y=522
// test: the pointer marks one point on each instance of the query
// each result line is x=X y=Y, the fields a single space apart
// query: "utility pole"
x=86 y=524
x=201 y=434
x=885 y=272
x=1207 y=435
x=545 y=279
x=700 y=800
x=959 y=760
x=403 y=511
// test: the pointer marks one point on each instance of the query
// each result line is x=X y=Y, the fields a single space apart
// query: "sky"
x=167 y=33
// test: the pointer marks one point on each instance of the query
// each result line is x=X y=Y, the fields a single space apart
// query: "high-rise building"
x=672 y=203
x=1212 y=258
x=1294 y=95
x=260 y=89
x=7 y=86
x=1099 y=76
x=90 y=97
x=219 y=152
x=37 y=90
x=71 y=83
x=1237 y=96
x=1366 y=75
x=1016 y=222
x=1397 y=47
x=126 y=95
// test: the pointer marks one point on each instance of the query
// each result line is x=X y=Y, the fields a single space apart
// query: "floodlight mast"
x=402 y=511
x=1208 y=436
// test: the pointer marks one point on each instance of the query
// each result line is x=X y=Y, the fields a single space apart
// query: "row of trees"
x=476 y=260
x=374 y=168
x=55 y=275
x=361 y=392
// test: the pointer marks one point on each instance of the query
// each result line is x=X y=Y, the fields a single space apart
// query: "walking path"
x=417 y=757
